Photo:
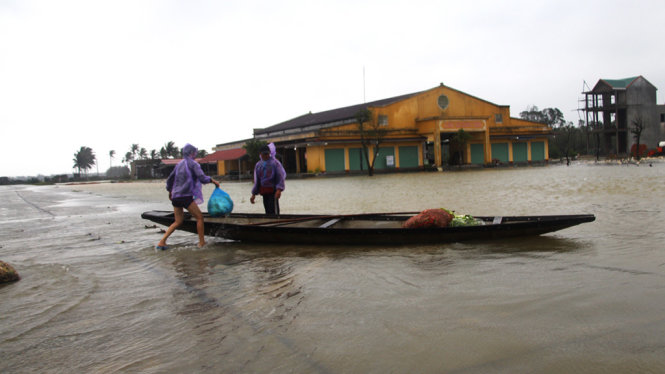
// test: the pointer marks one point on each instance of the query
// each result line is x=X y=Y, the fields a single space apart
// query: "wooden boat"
x=374 y=228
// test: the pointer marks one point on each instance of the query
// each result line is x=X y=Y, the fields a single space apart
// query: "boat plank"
x=331 y=222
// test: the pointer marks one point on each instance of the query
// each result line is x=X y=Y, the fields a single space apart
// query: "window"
x=498 y=118
x=383 y=120
x=662 y=117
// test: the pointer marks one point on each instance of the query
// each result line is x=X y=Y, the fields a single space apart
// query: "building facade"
x=418 y=131
x=614 y=105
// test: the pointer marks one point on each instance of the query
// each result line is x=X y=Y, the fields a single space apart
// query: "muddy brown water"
x=96 y=297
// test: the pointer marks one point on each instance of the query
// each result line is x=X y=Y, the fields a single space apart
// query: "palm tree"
x=170 y=150
x=111 y=155
x=135 y=150
x=128 y=157
x=143 y=154
x=84 y=159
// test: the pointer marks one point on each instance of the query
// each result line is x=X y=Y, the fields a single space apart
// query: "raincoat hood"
x=189 y=151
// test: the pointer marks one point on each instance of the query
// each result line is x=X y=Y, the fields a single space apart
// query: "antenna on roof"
x=364 y=84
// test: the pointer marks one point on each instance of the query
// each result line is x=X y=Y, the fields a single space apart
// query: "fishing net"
x=429 y=218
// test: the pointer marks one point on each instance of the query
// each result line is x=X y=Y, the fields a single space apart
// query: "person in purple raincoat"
x=269 y=176
x=185 y=192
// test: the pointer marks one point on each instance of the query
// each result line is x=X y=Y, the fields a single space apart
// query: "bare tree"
x=636 y=129
x=371 y=133
x=459 y=141
x=563 y=137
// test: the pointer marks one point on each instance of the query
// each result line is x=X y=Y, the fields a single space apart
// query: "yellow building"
x=417 y=131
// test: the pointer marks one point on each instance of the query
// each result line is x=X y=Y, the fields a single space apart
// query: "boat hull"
x=381 y=229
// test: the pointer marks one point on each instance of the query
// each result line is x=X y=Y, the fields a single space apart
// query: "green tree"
x=84 y=158
x=553 y=117
x=532 y=113
x=252 y=146
x=154 y=155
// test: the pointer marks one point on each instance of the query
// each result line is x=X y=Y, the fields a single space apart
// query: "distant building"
x=145 y=169
x=612 y=106
x=420 y=130
x=228 y=159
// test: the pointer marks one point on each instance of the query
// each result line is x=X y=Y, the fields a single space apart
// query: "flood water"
x=96 y=297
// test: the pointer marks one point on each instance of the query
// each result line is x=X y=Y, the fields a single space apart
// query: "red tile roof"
x=228 y=154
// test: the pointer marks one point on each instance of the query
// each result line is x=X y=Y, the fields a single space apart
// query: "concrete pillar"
x=437 y=145
x=487 y=145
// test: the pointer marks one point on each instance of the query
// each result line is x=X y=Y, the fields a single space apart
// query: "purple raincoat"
x=269 y=173
x=187 y=177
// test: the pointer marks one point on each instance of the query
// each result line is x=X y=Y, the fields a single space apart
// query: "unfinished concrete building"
x=614 y=105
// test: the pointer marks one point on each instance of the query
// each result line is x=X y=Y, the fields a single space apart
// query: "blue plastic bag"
x=220 y=203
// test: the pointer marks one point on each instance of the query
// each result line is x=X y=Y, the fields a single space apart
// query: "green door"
x=408 y=157
x=519 y=152
x=384 y=152
x=334 y=160
x=355 y=157
x=477 y=154
x=537 y=151
x=500 y=152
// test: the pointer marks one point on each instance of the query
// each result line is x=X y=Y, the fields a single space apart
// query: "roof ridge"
x=620 y=83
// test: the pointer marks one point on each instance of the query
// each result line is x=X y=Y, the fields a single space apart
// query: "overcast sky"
x=107 y=74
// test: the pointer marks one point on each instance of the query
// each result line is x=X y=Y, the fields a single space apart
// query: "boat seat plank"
x=497 y=220
x=331 y=222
